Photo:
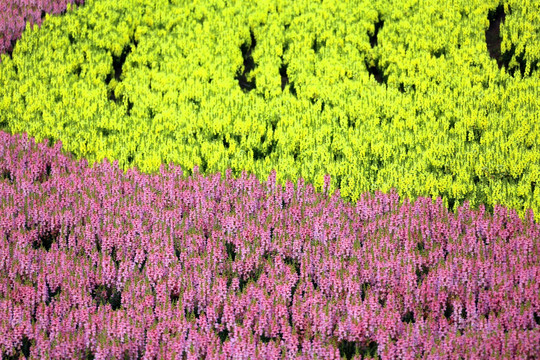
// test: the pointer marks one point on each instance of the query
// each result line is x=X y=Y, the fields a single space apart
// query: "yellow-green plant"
x=378 y=94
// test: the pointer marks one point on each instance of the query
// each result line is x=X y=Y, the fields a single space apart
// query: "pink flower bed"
x=14 y=14
x=95 y=263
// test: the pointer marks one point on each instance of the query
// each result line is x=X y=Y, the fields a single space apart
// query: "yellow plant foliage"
x=379 y=94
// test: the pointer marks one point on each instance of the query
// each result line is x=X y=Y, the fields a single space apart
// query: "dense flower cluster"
x=14 y=16
x=97 y=262
x=378 y=96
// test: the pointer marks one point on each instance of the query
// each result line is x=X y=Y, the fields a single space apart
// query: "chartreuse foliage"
x=378 y=94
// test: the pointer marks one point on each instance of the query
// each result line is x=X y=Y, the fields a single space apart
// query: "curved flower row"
x=376 y=95
x=97 y=262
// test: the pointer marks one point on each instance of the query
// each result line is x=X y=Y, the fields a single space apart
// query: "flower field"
x=269 y=180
